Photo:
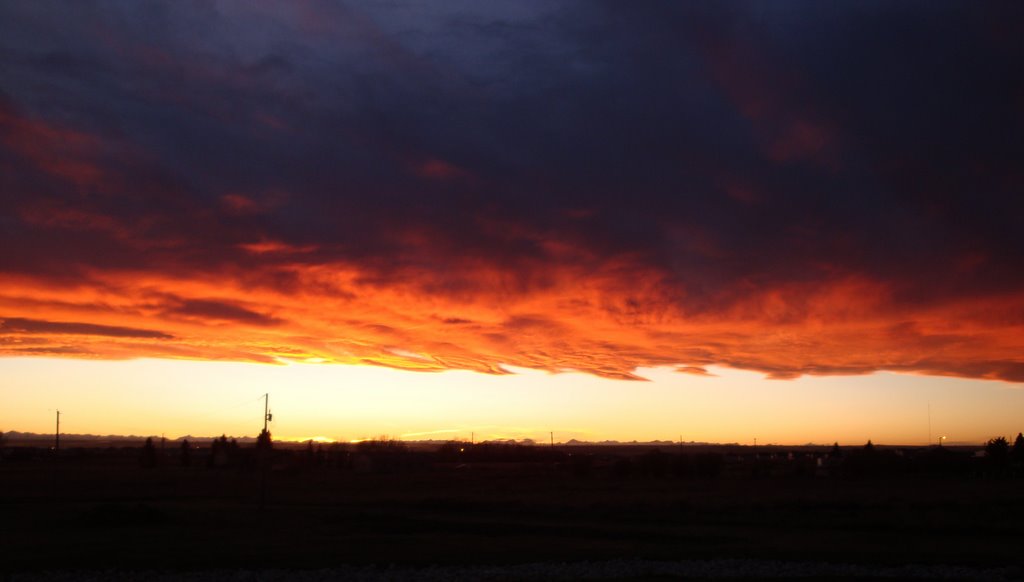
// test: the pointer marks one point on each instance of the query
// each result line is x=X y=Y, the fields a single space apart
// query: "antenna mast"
x=56 y=446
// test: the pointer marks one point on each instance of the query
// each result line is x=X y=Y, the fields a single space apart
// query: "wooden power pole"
x=266 y=411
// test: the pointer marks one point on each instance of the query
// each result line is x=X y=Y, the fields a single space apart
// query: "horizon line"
x=525 y=441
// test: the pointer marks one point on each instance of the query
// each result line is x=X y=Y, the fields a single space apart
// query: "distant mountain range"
x=17 y=436
x=12 y=437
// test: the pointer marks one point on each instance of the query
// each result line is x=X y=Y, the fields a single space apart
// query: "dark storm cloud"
x=660 y=164
x=38 y=326
x=220 y=311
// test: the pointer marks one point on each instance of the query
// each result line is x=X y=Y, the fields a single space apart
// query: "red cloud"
x=273 y=246
x=438 y=170
x=54 y=150
x=606 y=318
x=239 y=204
x=775 y=100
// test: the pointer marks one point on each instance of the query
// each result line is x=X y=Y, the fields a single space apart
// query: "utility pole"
x=552 y=434
x=266 y=411
x=56 y=445
x=262 y=453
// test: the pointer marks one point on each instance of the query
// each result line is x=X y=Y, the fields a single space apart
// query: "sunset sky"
x=791 y=221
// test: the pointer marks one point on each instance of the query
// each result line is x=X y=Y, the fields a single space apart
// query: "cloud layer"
x=795 y=188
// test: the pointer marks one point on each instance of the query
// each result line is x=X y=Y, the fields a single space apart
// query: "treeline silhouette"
x=997 y=458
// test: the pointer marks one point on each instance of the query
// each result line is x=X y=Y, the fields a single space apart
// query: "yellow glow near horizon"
x=305 y=439
x=352 y=403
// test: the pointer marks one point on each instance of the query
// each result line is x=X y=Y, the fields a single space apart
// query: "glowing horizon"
x=347 y=403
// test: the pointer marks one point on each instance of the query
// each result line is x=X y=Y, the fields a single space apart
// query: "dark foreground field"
x=97 y=516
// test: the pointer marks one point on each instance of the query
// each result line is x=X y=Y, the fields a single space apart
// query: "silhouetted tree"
x=385 y=444
x=385 y=455
x=997 y=450
x=148 y=458
x=321 y=455
x=186 y=453
x=263 y=442
x=450 y=451
x=872 y=461
x=836 y=451
x=1017 y=453
x=219 y=451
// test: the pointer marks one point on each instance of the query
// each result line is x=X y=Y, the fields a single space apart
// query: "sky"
x=404 y=217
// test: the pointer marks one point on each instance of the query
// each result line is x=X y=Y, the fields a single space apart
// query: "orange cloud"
x=606 y=319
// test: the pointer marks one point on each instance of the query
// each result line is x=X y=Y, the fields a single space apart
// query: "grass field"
x=117 y=515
